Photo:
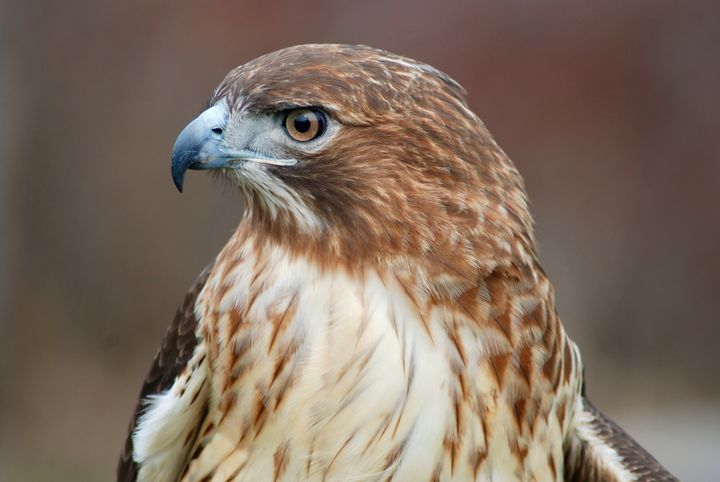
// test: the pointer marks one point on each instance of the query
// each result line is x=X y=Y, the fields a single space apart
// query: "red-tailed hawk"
x=380 y=312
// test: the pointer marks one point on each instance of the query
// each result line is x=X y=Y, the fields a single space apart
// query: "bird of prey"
x=380 y=312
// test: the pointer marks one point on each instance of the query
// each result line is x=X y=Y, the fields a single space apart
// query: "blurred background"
x=611 y=112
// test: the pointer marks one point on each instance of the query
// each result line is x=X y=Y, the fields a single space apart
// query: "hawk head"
x=355 y=151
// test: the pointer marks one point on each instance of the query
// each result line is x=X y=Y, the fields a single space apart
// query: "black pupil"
x=302 y=123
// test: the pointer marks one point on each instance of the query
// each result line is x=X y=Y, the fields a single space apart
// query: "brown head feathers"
x=408 y=170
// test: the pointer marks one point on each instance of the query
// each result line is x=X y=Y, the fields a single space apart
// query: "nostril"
x=217 y=130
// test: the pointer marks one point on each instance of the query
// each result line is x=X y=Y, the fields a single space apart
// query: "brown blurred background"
x=611 y=112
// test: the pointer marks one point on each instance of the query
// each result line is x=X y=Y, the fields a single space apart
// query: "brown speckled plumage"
x=380 y=313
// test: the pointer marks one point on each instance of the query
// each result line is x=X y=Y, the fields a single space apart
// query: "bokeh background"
x=611 y=111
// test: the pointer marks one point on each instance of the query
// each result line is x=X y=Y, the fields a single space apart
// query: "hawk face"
x=354 y=151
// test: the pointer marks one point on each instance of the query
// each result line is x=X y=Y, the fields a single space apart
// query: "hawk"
x=380 y=312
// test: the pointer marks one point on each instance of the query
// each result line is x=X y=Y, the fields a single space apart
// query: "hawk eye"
x=304 y=125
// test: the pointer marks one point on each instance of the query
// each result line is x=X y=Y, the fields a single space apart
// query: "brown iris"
x=304 y=125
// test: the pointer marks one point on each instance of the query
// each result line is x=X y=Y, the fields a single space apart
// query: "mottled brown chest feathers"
x=482 y=367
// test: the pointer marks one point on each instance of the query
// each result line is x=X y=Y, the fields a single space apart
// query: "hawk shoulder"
x=176 y=351
x=600 y=451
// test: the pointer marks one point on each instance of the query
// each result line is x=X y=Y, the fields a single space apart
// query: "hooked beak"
x=201 y=145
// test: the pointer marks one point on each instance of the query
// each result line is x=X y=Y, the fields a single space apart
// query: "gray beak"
x=201 y=145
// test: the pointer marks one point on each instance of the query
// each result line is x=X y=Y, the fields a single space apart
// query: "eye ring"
x=305 y=124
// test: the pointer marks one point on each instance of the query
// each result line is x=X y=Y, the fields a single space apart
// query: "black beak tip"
x=178 y=174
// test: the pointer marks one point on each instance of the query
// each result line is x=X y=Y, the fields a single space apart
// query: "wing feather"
x=175 y=351
x=600 y=451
